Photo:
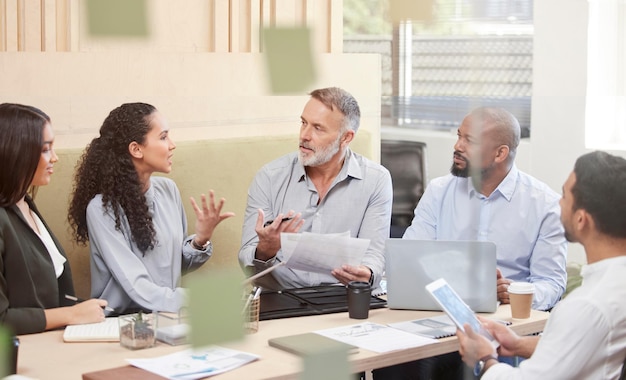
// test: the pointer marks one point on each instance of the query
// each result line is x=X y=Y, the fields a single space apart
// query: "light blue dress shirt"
x=359 y=201
x=522 y=217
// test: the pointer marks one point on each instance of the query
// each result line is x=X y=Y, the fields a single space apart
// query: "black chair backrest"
x=406 y=161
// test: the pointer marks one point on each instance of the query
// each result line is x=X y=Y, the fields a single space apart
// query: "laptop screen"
x=468 y=266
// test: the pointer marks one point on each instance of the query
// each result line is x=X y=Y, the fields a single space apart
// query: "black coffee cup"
x=359 y=295
x=14 y=345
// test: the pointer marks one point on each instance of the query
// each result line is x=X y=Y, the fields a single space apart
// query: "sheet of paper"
x=376 y=337
x=321 y=253
x=195 y=364
x=434 y=327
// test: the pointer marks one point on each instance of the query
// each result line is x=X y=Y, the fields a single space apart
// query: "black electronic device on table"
x=315 y=300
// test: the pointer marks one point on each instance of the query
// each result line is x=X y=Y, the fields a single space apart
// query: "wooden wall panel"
x=11 y=25
x=232 y=25
x=335 y=18
x=32 y=25
x=221 y=29
x=256 y=23
x=49 y=25
x=3 y=22
x=235 y=26
x=284 y=13
x=62 y=17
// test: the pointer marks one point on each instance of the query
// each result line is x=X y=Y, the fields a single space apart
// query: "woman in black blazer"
x=35 y=275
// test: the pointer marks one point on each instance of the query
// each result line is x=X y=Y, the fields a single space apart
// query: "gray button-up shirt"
x=359 y=201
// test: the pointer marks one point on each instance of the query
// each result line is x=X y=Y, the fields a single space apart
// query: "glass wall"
x=470 y=53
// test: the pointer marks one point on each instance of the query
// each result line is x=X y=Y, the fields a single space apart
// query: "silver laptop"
x=468 y=266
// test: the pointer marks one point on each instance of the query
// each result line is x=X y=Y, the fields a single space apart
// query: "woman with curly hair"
x=135 y=222
x=35 y=275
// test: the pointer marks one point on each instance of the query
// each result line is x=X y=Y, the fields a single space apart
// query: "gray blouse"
x=122 y=274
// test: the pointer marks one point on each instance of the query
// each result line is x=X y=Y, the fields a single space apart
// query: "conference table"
x=45 y=356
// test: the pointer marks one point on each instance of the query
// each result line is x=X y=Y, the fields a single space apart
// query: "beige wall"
x=202 y=66
x=203 y=95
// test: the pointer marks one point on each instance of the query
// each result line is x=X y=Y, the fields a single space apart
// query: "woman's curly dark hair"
x=106 y=168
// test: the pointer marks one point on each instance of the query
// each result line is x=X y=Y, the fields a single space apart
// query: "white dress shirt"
x=585 y=337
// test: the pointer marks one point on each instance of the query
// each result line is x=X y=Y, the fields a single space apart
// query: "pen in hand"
x=272 y=221
x=77 y=300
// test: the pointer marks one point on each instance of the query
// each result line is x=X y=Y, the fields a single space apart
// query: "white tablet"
x=456 y=309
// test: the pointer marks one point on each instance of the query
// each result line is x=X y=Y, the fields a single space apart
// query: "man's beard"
x=458 y=172
x=477 y=174
x=321 y=155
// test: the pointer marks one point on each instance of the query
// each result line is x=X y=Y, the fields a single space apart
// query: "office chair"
x=406 y=161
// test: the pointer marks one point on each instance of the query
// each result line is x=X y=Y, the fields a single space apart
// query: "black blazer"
x=28 y=283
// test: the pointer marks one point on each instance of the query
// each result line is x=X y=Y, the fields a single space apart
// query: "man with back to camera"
x=585 y=336
x=324 y=187
x=487 y=198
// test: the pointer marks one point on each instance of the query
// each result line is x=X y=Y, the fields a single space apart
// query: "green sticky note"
x=410 y=10
x=5 y=352
x=117 y=18
x=215 y=307
x=288 y=59
x=326 y=364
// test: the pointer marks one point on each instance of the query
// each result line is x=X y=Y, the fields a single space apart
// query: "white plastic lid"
x=521 y=288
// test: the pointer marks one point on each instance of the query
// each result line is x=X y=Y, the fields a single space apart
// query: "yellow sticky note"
x=410 y=10
x=117 y=18
x=289 y=59
x=327 y=364
x=215 y=307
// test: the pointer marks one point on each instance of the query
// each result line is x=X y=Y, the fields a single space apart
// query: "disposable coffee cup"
x=359 y=295
x=521 y=296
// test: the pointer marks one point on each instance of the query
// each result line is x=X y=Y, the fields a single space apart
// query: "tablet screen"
x=456 y=309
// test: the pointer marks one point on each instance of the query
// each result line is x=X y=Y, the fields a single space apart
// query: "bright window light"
x=605 y=124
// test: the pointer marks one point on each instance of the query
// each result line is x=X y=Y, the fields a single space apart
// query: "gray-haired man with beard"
x=487 y=198
x=324 y=187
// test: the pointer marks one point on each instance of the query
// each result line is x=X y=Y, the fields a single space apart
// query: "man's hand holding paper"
x=338 y=254
x=348 y=273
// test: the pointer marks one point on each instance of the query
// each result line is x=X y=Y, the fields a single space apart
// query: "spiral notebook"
x=107 y=331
